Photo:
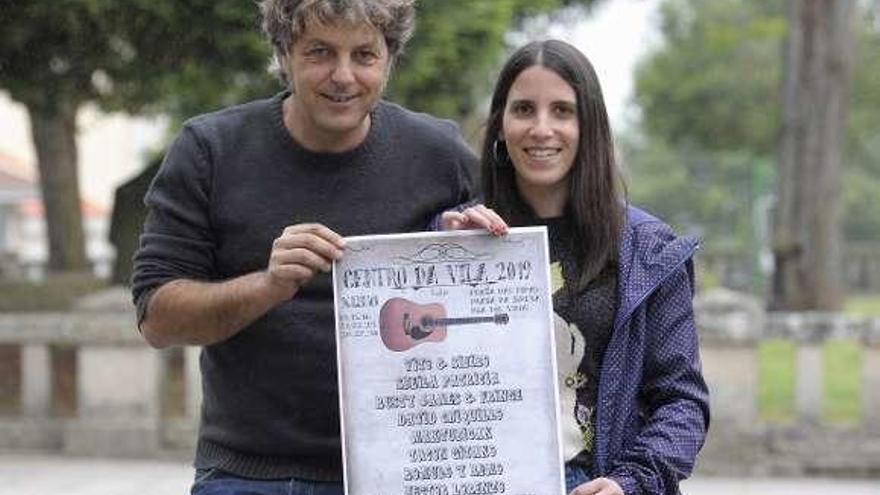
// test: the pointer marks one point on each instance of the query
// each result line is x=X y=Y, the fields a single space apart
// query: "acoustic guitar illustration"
x=404 y=324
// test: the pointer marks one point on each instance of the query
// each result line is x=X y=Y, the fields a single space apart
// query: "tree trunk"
x=808 y=236
x=54 y=133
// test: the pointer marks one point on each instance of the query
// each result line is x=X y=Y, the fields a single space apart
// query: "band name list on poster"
x=449 y=407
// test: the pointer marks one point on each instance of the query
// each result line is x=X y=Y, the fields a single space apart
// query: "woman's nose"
x=541 y=127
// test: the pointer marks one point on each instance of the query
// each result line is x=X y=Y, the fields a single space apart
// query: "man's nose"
x=342 y=72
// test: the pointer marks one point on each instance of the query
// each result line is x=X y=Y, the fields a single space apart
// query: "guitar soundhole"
x=415 y=332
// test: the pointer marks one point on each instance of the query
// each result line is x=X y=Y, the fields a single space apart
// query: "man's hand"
x=475 y=217
x=299 y=253
x=598 y=486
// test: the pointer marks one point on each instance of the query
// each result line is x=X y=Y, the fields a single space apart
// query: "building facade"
x=23 y=245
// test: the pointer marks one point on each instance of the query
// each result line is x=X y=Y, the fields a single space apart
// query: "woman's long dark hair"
x=596 y=201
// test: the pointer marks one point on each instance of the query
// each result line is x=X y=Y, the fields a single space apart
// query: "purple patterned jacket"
x=653 y=409
x=653 y=404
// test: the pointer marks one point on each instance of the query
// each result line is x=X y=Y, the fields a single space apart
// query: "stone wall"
x=126 y=399
x=740 y=441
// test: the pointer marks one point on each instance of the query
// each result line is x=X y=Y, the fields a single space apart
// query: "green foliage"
x=446 y=68
x=715 y=82
x=133 y=55
x=711 y=194
x=186 y=58
x=56 y=55
x=705 y=153
x=710 y=113
x=862 y=180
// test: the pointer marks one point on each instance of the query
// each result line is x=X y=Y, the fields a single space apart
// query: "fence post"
x=871 y=377
x=731 y=372
x=808 y=382
x=36 y=380
x=193 y=385
x=119 y=407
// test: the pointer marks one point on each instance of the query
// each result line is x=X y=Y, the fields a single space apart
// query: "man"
x=246 y=215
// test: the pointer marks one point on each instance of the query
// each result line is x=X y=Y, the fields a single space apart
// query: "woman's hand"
x=475 y=217
x=598 y=486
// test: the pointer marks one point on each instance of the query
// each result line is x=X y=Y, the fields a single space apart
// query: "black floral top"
x=583 y=322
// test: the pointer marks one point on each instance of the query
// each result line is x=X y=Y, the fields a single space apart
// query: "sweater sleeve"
x=673 y=393
x=177 y=241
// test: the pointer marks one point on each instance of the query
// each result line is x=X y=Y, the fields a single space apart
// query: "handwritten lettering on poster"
x=447 y=371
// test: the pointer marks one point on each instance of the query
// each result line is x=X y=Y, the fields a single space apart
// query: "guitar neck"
x=465 y=320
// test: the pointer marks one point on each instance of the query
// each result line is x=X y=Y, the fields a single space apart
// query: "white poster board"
x=447 y=371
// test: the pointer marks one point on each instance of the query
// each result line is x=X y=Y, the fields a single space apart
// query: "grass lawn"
x=841 y=402
x=776 y=365
x=841 y=376
x=842 y=383
x=863 y=304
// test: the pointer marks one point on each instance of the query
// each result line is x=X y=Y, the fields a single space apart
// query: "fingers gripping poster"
x=447 y=371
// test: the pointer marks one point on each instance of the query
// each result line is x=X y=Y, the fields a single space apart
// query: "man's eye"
x=317 y=52
x=366 y=56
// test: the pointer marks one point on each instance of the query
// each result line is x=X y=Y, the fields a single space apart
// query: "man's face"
x=337 y=73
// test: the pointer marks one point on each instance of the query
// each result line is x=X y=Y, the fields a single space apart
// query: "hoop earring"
x=499 y=156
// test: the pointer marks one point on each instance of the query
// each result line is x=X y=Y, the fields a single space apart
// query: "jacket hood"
x=649 y=252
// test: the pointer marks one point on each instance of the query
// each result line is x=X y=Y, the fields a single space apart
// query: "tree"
x=714 y=82
x=862 y=173
x=446 y=69
x=807 y=236
x=701 y=153
x=705 y=149
x=184 y=58
x=57 y=55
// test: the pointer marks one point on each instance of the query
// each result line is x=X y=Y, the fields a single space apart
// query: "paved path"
x=46 y=475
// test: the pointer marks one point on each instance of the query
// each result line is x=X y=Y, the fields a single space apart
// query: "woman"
x=634 y=405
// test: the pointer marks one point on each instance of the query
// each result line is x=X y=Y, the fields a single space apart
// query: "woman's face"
x=540 y=128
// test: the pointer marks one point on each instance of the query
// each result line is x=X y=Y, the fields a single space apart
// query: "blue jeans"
x=217 y=482
x=574 y=477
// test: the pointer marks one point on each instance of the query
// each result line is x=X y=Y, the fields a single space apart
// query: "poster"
x=447 y=371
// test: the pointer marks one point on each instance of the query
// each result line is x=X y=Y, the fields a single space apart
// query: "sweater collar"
x=327 y=160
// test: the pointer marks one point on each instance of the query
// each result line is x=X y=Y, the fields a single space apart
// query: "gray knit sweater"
x=230 y=183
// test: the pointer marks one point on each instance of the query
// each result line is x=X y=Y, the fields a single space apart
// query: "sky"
x=112 y=148
x=614 y=37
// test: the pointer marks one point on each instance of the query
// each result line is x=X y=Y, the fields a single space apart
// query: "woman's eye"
x=521 y=109
x=565 y=111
